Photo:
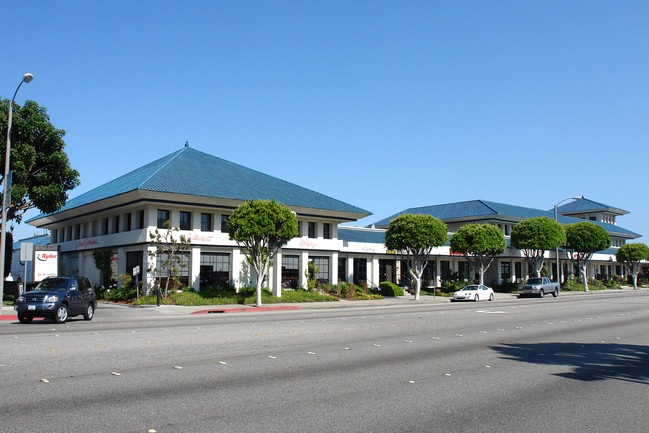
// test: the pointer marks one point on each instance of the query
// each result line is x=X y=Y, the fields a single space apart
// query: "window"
x=215 y=270
x=360 y=272
x=116 y=224
x=592 y=218
x=141 y=218
x=322 y=263
x=326 y=231
x=77 y=231
x=290 y=271
x=129 y=222
x=185 y=221
x=162 y=272
x=505 y=271
x=312 y=233
x=163 y=217
x=445 y=268
x=342 y=269
x=224 y=223
x=104 y=226
x=206 y=222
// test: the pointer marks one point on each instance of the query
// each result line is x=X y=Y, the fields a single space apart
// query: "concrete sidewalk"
x=9 y=314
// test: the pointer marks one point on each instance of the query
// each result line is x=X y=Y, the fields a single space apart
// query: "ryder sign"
x=46 y=264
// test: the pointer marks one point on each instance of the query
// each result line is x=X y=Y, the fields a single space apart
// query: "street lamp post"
x=6 y=191
x=557 y=248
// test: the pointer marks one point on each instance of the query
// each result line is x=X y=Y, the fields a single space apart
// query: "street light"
x=557 y=248
x=6 y=190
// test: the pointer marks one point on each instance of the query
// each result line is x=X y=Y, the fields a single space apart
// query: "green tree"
x=534 y=236
x=169 y=248
x=42 y=175
x=632 y=256
x=416 y=236
x=583 y=239
x=103 y=259
x=260 y=228
x=479 y=243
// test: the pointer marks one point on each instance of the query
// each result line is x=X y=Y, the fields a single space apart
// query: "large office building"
x=196 y=192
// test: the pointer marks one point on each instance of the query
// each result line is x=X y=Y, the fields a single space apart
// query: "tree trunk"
x=584 y=276
x=417 y=288
x=260 y=282
x=635 y=281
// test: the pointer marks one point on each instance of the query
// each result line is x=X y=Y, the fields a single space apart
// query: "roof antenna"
x=186 y=143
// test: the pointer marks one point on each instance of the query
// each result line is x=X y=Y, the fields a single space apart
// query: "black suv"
x=58 y=298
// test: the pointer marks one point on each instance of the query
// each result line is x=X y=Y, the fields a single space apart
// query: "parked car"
x=539 y=287
x=474 y=292
x=58 y=298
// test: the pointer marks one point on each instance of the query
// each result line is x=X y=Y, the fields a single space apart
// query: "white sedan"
x=474 y=292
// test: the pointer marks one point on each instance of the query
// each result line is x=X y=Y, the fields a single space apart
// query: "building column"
x=375 y=277
x=237 y=270
x=350 y=269
x=333 y=278
x=148 y=282
x=304 y=260
x=275 y=283
x=195 y=268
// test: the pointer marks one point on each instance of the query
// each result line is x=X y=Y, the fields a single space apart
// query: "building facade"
x=196 y=192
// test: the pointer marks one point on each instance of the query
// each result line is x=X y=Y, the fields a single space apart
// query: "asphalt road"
x=570 y=364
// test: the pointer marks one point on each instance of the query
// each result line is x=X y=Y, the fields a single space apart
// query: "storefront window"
x=290 y=271
x=215 y=270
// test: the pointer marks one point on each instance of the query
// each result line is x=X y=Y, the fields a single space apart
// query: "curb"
x=246 y=310
x=14 y=318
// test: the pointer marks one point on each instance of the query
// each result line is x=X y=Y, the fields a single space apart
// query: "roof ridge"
x=484 y=202
x=171 y=158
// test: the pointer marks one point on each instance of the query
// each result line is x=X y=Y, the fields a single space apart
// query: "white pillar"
x=304 y=260
x=237 y=258
x=195 y=268
x=275 y=283
x=333 y=279
x=374 y=275
x=149 y=275
x=350 y=269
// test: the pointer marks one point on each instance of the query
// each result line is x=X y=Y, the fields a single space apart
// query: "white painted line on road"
x=491 y=312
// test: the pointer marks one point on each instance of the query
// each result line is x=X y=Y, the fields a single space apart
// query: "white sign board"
x=46 y=264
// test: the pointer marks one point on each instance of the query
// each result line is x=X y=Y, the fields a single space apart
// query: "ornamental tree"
x=42 y=175
x=479 y=243
x=632 y=256
x=416 y=236
x=260 y=228
x=170 y=248
x=583 y=239
x=534 y=236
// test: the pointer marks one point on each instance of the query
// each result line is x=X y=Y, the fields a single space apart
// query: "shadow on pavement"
x=590 y=362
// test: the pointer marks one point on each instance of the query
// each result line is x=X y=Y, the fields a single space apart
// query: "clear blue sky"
x=383 y=104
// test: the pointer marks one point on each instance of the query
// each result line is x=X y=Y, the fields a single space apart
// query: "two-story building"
x=196 y=192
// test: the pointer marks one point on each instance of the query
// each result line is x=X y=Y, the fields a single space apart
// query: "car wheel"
x=541 y=293
x=555 y=293
x=90 y=312
x=491 y=297
x=477 y=298
x=61 y=314
x=24 y=318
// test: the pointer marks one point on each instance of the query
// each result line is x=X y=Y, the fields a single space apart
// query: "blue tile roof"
x=192 y=172
x=356 y=235
x=586 y=205
x=478 y=208
x=36 y=240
